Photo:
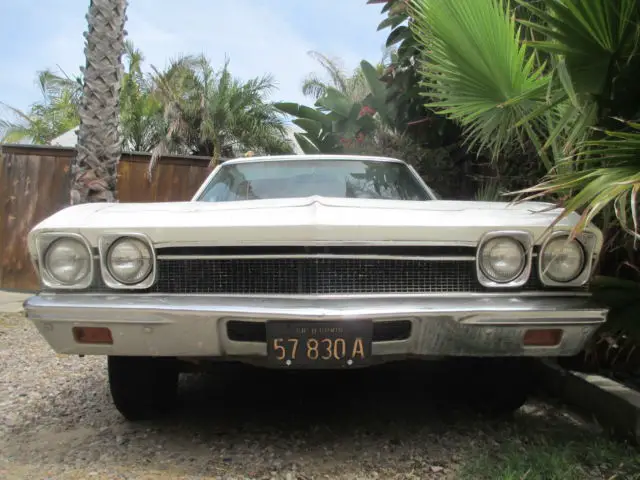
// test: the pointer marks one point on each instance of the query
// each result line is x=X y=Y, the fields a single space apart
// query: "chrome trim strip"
x=104 y=243
x=575 y=320
x=352 y=296
x=421 y=181
x=322 y=243
x=466 y=310
x=314 y=255
x=522 y=236
x=43 y=241
x=312 y=156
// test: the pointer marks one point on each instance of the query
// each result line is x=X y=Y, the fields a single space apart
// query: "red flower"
x=366 y=110
x=346 y=142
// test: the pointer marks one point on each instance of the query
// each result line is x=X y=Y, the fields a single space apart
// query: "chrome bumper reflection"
x=197 y=325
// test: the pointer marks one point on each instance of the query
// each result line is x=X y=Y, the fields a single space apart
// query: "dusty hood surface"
x=310 y=219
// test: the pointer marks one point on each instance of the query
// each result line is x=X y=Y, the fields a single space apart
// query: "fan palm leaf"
x=476 y=71
x=590 y=35
x=590 y=44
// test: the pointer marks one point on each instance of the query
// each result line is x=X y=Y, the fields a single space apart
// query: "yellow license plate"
x=313 y=344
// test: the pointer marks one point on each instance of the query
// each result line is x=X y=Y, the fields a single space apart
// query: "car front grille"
x=316 y=275
x=318 y=271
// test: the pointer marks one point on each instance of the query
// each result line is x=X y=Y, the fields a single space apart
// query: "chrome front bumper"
x=198 y=325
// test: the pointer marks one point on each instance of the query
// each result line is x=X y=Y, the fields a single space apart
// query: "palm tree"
x=353 y=86
x=141 y=121
x=211 y=113
x=55 y=114
x=98 y=150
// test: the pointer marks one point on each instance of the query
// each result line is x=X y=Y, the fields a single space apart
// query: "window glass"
x=302 y=178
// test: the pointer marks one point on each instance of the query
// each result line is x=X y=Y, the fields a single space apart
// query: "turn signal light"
x=547 y=337
x=96 y=335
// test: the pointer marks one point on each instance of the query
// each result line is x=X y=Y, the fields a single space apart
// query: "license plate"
x=319 y=344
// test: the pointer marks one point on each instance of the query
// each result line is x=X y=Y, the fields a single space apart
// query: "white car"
x=313 y=262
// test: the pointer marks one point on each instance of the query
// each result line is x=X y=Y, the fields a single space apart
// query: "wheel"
x=143 y=387
x=493 y=386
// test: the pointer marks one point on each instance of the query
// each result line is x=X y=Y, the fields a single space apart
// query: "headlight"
x=562 y=260
x=129 y=261
x=67 y=261
x=502 y=259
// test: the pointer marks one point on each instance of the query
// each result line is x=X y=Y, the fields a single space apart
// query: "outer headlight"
x=562 y=261
x=129 y=260
x=68 y=262
x=502 y=259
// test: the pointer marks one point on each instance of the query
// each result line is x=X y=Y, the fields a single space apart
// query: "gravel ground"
x=57 y=421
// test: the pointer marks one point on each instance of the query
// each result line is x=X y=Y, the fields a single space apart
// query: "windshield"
x=302 y=178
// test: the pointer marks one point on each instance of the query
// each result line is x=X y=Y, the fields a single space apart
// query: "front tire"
x=143 y=388
x=494 y=386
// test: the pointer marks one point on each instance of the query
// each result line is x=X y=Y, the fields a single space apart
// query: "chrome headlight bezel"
x=43 y=241
x=525 y=239
x=105 y=242
x=587 y=241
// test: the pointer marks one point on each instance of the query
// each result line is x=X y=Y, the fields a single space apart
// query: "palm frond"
x=210 y=112
x=333 y=67
x=54 y=86
x=41 y=124
x=590 y=36
x=476 y=71
x=590 y=44
x=489 y=191
x=13 y=132
x=313 y=87
x=353 y=86
x=605 y=172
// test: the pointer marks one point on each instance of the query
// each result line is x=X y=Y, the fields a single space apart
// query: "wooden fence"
x=34 y=183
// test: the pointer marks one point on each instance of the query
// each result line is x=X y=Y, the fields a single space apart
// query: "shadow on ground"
x=396 y=421
x=238 y=396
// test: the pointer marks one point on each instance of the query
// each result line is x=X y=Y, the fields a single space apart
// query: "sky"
x=259 y=37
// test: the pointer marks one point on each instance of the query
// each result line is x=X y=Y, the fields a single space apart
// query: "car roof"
x=272 y=158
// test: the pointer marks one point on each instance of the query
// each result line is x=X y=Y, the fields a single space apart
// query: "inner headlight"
x=502 y=259
x=129 y=261
x=68 y=261
x=562 y=260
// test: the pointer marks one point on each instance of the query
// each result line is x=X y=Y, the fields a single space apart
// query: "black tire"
x=143 y=388
x=493 y=386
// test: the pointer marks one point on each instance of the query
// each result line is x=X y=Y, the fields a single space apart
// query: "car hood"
x=310 y=219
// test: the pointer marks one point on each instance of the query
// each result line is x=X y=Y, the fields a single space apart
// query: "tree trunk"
x=98 y=150
x=215 y=157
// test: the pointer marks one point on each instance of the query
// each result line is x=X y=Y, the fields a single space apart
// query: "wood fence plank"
x=35 y=182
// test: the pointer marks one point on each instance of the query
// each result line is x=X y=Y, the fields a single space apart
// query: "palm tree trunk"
x=217 y=152
x=98 y=150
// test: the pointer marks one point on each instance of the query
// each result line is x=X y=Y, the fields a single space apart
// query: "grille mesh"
x=316 y=276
